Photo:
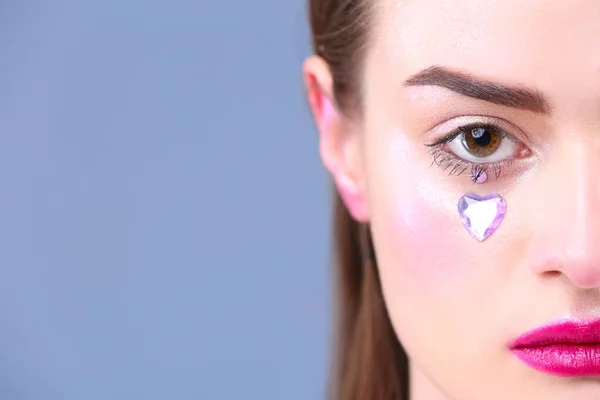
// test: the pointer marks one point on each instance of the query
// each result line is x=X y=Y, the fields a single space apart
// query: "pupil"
x=482 y=137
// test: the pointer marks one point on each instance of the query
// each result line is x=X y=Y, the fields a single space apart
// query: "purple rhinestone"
x=481 y=215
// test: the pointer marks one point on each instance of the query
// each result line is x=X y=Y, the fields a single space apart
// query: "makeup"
x=566 y=348
x=478 y=175
x=476 y=146
x=481 y=215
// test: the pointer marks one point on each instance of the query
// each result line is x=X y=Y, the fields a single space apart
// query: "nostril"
x=552 y=274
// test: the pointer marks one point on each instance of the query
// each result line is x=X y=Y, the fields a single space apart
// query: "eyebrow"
x=493 y=92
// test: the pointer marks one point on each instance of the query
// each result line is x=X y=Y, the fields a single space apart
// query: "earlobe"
x=339 y=143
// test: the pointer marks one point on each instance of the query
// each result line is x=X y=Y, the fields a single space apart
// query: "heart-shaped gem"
x=481 y=215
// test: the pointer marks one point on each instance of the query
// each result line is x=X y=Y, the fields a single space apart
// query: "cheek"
x=420 y=240
x=423 y=246
x=432 y=271
x=418 y=235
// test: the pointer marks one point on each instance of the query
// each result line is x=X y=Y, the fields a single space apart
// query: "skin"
x=456 y=303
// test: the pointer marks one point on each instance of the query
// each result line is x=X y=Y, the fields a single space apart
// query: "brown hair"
x=370 y=363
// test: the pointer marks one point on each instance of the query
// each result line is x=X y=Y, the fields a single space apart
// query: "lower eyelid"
x=454 y=165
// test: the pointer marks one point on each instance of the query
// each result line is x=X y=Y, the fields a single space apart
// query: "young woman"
x=463 y=137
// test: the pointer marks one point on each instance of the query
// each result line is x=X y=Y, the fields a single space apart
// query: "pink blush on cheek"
x=426 y=243
x=420 y=239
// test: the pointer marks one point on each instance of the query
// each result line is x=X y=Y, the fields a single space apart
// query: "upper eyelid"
x=450 y=137
x=510 y=129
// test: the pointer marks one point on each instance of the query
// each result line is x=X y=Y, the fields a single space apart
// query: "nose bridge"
x=581 y=206
x=570 y=238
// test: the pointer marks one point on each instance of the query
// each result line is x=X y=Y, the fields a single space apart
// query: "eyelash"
x=457 y=166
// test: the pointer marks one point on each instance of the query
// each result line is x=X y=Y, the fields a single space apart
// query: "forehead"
x=542 y=43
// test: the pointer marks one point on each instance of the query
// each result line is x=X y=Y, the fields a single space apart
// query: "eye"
x=483 y=144
x=479 y=145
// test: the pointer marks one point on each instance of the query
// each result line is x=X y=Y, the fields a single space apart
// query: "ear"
x=340 y=141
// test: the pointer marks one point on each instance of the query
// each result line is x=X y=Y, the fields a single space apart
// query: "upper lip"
x=563 y=332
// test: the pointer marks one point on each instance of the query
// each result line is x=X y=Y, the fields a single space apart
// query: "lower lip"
x=562 y=359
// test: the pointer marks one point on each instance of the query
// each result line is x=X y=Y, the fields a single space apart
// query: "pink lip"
x=569 y=348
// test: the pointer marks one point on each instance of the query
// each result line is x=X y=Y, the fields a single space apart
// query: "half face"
x=454 y=89
x=485 y=98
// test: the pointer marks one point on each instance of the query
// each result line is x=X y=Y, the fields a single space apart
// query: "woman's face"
x=526 y=76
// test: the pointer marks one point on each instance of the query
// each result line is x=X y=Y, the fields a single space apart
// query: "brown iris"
x=481 y=141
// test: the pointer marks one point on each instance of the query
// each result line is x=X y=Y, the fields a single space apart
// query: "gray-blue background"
x=164 y=216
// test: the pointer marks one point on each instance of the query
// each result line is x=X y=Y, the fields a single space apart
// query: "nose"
x=567 y=237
